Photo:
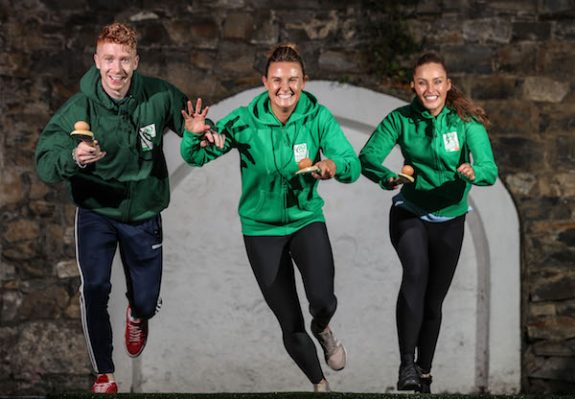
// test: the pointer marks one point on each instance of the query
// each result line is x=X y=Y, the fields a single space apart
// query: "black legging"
x=429 y=253
x=271 y=260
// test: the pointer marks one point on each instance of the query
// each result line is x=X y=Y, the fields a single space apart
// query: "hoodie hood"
x=91 y=86
x=260 y=108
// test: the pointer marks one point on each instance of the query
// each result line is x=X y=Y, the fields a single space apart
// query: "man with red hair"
x=118 y=179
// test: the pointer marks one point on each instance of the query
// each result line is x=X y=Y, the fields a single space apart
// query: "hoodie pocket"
x=270 y=208
x=309 y=201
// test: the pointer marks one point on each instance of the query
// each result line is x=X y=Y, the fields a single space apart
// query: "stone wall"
x=513 y=57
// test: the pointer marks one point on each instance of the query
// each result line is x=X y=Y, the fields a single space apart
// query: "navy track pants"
x=140 y=245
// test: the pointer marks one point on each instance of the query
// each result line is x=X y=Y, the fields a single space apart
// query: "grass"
x=294 y=395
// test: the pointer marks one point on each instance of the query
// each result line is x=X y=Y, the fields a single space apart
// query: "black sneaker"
x=408 y=375
x=425 y=380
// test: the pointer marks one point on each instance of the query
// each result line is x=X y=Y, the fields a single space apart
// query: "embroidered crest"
x=300 y=151
x=147 y=134
x=451 y=142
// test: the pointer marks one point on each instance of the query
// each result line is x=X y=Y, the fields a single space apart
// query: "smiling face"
x=284 y=83
x=431 y=85
x=117 y=63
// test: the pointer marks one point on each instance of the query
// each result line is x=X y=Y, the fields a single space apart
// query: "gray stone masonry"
x=514 y=57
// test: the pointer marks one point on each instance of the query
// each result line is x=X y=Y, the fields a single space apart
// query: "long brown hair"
x=285 y=53
x=465 y=108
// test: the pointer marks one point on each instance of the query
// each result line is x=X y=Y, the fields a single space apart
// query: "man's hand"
x=86 y=153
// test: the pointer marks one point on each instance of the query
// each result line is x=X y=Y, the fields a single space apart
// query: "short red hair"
x=118 y=33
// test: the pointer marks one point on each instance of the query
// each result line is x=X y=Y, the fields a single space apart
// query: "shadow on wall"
x=216 y=334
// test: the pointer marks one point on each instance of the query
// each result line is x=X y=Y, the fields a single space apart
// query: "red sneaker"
x=136 y=334
x=104 y=385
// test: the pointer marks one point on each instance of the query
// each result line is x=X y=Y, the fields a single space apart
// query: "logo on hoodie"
x=147 y=134
x=451 y=142
x=300 y=152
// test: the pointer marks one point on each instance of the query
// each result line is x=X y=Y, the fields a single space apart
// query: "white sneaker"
x=323 y=386
x=333 y=350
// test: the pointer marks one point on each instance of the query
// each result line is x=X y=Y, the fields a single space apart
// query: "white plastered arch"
x=215 y=333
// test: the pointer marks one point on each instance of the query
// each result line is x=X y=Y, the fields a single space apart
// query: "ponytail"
x=465 y=108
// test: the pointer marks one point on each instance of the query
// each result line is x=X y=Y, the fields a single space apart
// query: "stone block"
x=555 y=348
x=8 y=339
x=510 y=7
x=338 y=61
x=566 y=308
x=23 y=251
x=520 y=183
x=557 y=119
x=180 y=30
x=203 y=33
x=11 y=301
x=73 y=310
x=564 y=158
x=531 y=31
x=556 y=9
x=238 y=25
x=235 y=59
x=67 y=269
x=551 y=328
x=20 y=230
x=513 y=118
x=552 y=368
x=487 y=30
x=521 y=155
x=43 y=301
x=12 y=188
x=304 y=25
x=541 y=309
x=470 y=58
x=493 y=87
x=48 y=347
x=544 y=89
x=567 y=236
x=266 y=30
x=518 y=58
x=556 y=287
x=556 y=59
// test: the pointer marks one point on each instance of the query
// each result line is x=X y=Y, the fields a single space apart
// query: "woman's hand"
x=326 y=169
x=392 y=183
x=195 y=122
x=466 y=170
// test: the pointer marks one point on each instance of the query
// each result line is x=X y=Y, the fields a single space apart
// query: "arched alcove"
x=215 y=333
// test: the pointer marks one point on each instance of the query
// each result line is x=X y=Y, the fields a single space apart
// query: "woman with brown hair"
x=442 y=136
x=287 y=142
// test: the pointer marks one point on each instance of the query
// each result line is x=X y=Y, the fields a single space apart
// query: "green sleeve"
x=482 y=155
x=178 y=102
x=377 y=148
x=53 y=156
x=195 y=155
x=335 y=146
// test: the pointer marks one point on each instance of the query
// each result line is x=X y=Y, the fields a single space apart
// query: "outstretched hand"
x=195 y=122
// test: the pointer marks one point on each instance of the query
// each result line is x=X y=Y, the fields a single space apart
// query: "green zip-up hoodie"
x=131 y=182
x=275 y=201
x=435 y=147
